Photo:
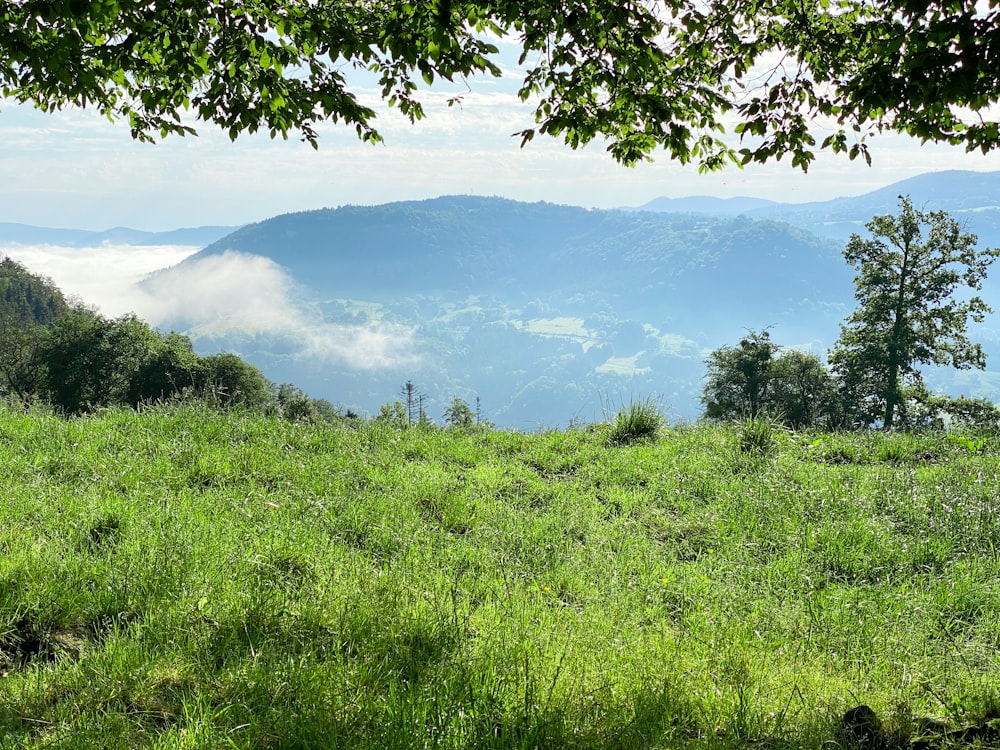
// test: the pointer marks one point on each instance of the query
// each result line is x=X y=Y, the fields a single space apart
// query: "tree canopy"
x=643 y=74
x=26 y=298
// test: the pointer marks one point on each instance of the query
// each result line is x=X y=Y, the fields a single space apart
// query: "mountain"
x=466 y=245
x=547 y=313
x=543 y=311
x=973 y=197
x=25 y=234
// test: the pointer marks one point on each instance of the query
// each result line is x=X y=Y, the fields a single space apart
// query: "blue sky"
x=75 y=169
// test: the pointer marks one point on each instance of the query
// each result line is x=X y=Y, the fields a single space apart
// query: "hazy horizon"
x=73 y=168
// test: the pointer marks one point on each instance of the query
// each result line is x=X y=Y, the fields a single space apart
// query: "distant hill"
x=971 y=196
x=468 y=245
x=707 y=205
x=544 y=311
x=25 y=234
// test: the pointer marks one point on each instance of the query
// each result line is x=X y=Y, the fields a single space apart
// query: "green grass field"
x=180 y=578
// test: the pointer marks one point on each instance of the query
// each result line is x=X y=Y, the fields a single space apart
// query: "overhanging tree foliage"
x=907 y=312
x=644 y=74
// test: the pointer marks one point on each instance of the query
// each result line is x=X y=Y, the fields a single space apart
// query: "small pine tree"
x=458 y=414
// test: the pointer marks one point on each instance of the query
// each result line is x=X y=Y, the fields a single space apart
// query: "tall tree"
x=907 y=314
x=413 y=400
x=643 y=74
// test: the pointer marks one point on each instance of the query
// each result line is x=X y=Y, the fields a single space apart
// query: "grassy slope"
x=181 y=579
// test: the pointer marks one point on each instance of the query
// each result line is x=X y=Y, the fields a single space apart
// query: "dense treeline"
x=76 y=360
x=758 y=378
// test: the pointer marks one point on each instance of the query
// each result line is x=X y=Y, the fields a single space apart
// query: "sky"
x=75 y=169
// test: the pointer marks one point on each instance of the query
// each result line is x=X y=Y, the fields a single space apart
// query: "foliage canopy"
x=643 y=74
x=27 y=298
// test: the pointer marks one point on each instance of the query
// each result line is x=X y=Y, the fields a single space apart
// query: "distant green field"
x=180 y=578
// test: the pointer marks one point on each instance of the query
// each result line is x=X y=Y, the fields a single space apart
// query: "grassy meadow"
x=180 y=578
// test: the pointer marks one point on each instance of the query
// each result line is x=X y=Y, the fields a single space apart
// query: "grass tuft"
x=636 y=421
x=759 y=436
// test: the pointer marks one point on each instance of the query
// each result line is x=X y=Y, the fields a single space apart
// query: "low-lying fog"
x=219 y=294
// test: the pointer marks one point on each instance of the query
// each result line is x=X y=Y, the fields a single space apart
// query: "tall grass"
x=636 y=421
x=179 y=578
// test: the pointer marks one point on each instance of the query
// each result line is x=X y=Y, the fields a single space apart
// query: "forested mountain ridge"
x=542 y=310
x=474 y=245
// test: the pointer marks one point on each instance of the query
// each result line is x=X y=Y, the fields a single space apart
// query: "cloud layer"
x=220 y=296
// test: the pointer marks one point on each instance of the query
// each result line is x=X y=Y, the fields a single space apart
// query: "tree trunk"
x=895 y=352
x=891 y=396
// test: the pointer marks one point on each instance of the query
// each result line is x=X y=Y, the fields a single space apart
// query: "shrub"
x=459 y=415
x=229 y=381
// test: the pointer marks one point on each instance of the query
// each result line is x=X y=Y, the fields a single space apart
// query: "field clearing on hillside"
x=179 y=578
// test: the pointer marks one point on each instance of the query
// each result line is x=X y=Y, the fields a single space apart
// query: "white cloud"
x=105 y=277
x=218 y=294
x=236 y=292
x=230 y=291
